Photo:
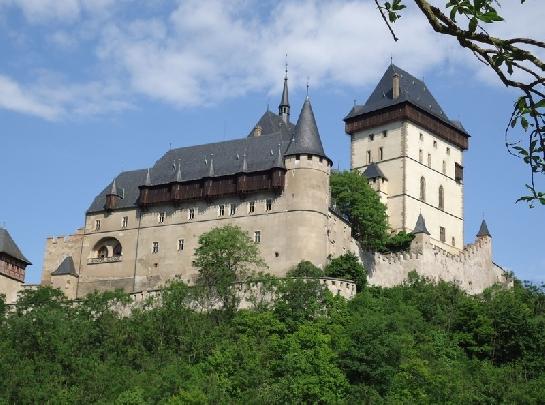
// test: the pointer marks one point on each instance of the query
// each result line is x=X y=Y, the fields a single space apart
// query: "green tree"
x=361 y=205
x=225 y=256
x=305 y=269
x=348 y=267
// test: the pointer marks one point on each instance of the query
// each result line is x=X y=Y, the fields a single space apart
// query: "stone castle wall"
x=59 y=247
x=472 y=269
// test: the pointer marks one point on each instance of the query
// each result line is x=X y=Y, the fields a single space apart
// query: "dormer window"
x=191 y=213
x=221 y=210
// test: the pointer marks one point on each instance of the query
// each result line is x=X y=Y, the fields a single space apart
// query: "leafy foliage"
x=416 y=343
x=305 y=269
x=348 y=267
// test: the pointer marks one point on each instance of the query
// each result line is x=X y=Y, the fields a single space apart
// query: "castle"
x=143 y=228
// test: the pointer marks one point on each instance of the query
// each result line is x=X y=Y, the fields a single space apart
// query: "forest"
x=416 y=343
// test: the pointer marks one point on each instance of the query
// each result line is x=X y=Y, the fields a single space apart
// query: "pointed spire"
x=148 y=179
x=113 y=190
x=483 y=230
x=306 y=139
x=284 y=107
x=244 y=163
x=420 y=226
x=211 y=168
x=279 y=157
x=179 y=172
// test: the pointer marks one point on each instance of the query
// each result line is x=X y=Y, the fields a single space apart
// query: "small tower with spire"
x=284 y=107
x=112 y=198
x=421 y=235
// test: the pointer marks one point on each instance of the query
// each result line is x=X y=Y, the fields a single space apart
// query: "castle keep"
x=143 y=228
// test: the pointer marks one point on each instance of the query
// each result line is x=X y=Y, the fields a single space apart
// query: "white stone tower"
x=403 y=132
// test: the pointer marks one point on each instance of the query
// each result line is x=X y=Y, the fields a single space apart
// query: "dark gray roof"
x=194 y=161
x=66 y=268
x=420 y=226
x=284 y=102
x=272 y=123
x=412 y=90
x=373 y=171
x=10 y=248
x=306 y=139
x=483 y=230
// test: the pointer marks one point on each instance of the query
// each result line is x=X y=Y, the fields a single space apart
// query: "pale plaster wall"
x=10 y=287
x=57 y=248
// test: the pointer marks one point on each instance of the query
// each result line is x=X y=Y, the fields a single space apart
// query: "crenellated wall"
x=57 y=249
x=472 y=269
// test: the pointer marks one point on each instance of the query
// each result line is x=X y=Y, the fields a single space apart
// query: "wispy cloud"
x=194 y=53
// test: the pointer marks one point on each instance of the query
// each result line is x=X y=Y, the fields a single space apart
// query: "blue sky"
x=91 y=88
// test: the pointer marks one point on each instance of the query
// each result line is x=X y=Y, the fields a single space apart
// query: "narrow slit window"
x=180 y=245
x=97 y=225
x=257 y=236
x=155 y=247
x=422 y=189
x=125 y=222
x=232 y=209
x=420 y=156
x=368 y=156
x=161 y=217
x=380 y=153
x=221 y=210
x=268 y=204
x=442 y=234
x=251 y=207
x=429 y=160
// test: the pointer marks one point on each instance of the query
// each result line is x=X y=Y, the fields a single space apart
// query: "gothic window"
x=155 y=247
x=221 y=210
x=368 y=156
x=420 y=156
x=233 y=209
x=441 y=198
x=125 y=222
x=444 y=167
x=429 y=160
x=180 y=245
x=380 y=154
x=268 y=204
x=442 y=234
x=97 y=225
x=257 y=236
x=191 y=213
x=422 y=188
x=118 y=250
x=251 y=207
x=161 y=217
x=103 y=252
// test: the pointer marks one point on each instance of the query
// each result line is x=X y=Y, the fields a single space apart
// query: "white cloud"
x=15 y=98
x=193 y=53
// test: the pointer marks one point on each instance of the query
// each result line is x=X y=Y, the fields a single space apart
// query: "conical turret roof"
x=306 y=139
x=373 y=171
x=483 y=230
x=284 y=102
x=420 y=226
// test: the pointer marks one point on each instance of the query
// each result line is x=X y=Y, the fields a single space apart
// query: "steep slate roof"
x=284 y=102
x=483 y=230
x=194 y=161
x=10 y=248
x=420 y=226
x=373 y=171
x=66 y=268
x=411 y=90
x=306 y=139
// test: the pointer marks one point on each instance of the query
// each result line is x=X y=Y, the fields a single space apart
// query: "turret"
x=483 y=231
x=421 y=235
x=377 y=181
x=112 y=198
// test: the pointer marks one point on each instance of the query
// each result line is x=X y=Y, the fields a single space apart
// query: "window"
x=458 y=172
x=268 y=204
x=421 y=136
x=161 y=217
x=448 y=150
x=155 y=247
x=384 y=134
x=371 y=137
x=420 y=156
x=102 y=252
x=444 y=167
x=297 y=157
x=368 y=156
x=453 y=241
x=221 y=210
x=309 y=157
x=118 y=249
x=251 y=207
x=125 y=222
x=180 y=245
x=429 y=160
x=441 y=198
x=435 y=144
x=442 y=234
x=422 y=188
x=97 y=225
x=191 y=213
x=380 y=154
x=232 y=209
x=257 y=236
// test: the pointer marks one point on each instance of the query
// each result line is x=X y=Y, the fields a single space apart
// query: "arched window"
x=102 y=252
x=118 y=249
x=441 y=198
x=422 y=188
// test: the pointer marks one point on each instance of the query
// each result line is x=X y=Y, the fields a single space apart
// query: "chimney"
x=395 y=86
x=257 y=131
